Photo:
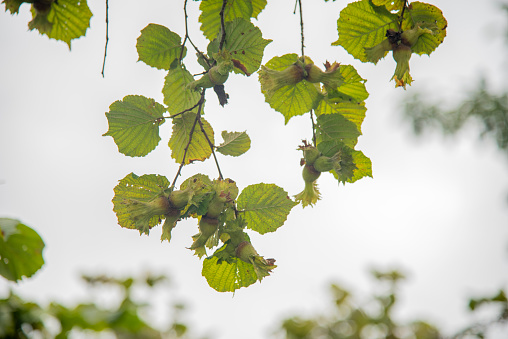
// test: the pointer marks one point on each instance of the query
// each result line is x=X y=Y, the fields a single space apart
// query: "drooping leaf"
x=334 y=127
x=176 y=94
x=135 y=189
x=246 y=44
x=199 y=149
x=264 y=207
x=158 y=47
x=429 y=17
x=65 y=20
x=391 y=5
x=20 y=250
x=210 y=14
x=134 y=124
x=362 y=25
x=235 y=143
x=363 y=166
x=291 y=100
x=228 y=276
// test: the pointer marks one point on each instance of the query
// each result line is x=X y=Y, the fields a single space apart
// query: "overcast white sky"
x=435 y=208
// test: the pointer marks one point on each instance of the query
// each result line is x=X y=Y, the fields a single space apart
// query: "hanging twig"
x=191 y=133
x=107 y=38
x=187 y=37
x=222 y=24
x=313 y=128
x=212 y=147
x=301 y=26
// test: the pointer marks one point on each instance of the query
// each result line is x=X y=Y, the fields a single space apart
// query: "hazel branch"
x=212 y=147
x=187 y=36
x=191 y=133
x=107 y=39
x=222 y=25
x=301 y=26
x=404 y=6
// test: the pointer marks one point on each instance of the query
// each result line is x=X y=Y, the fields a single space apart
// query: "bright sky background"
x=436 y=208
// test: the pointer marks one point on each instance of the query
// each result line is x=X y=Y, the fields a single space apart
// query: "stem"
x=187 y=37
x=185 y=110
x=404 y=5
x=107 y=39
x=313 y=128
x=191 y=133
x=212 y=146
x=222 y=25
x=301 y=26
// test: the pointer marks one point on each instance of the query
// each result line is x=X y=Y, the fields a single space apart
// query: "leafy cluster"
x=369 y=29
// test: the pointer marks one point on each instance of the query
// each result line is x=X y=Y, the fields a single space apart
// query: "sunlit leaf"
x=228 y=276
x=64 y=20
x=20 y=250
x=264 y=207
x=158 y=47
x=390 y=5
x=134 y=124
x=135 y=189
x=176 y=94
x=210 y=14
x=352 y=111
x=235 y=143
x=245 y=43
x=291 y=100
x=334 y=127
x=430 y=17
x=257 y=7
x=198 y=149
x=362 y=25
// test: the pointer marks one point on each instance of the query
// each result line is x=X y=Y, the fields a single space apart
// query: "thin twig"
x=187 y=37
x=212 y=146
x=313 y=128
x=185 y=110
x=404 y=5
x=191 y=133
x=222 y=25
x=301 y=26
x=107 y=38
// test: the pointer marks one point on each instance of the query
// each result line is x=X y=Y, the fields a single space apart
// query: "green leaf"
x=143 y=188
x=235 y=143
x=228 y=276
x=390 y=5
x=353 y=89
x=20 y=250
x=158 y=47
x=210 y=14
x=245 y=43
x=291 y=100
x=134 y=124
x=264 y=207
x=430 y=17
x=65 y=20
x=352 y=111
x=334 y=127
x=199 y=149
x=354 y=165
x=362 y=25
x=176 y=95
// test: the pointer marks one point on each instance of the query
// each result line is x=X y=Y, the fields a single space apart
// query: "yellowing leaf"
x=158 y=47
x=198 y=149
x=390 y=5
x=264 y=207
x=235 y=143
x=134 y=124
